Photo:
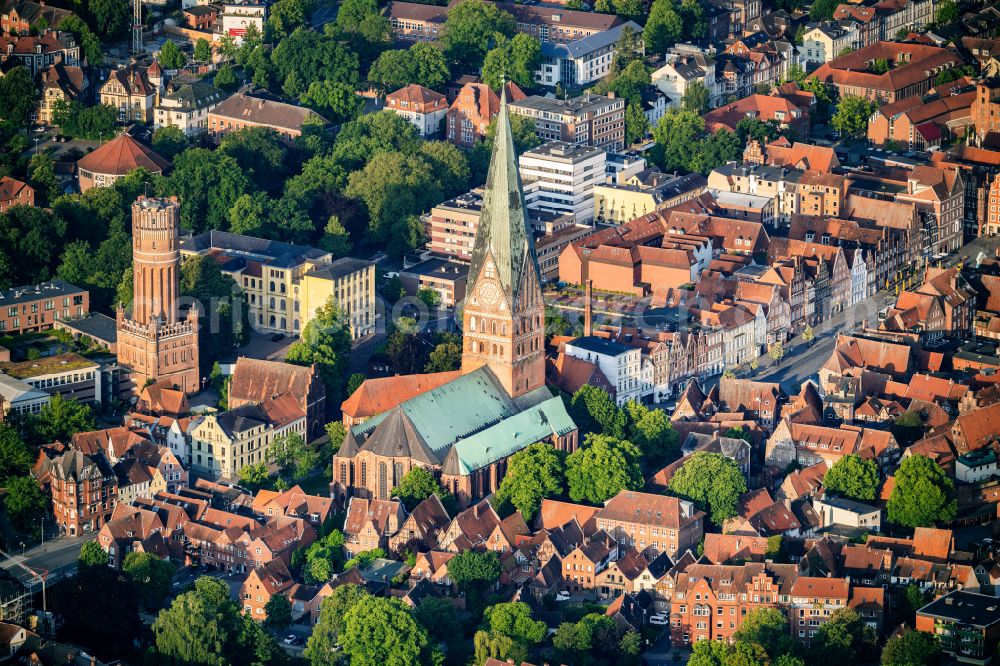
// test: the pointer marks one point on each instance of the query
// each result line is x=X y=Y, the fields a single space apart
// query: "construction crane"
x=136 y=27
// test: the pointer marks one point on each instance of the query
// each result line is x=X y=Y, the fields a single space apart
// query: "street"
x=57 y=557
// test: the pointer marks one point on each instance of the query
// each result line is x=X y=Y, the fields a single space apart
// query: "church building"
x=465 y=430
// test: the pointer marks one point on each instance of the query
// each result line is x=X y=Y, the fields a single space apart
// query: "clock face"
x=489 y=293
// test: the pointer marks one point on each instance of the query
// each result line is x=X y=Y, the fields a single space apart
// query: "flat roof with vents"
x=970 y=608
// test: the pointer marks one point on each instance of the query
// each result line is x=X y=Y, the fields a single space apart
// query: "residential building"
x=765 y=108
x=844 y=513
x=154 y=341
x=592 y=120
x=684 y=67
x=261 y=585
x=422 y=106
x=920 y=123
x=813 y=601
x=473 y=110
x=560 y=177
x=467 y=428
x=912 y=70
x=34 y=308
x=134 y=91
x=39 y=51
x=114 y=160
x=370 y=523
x=652 y=524
x=223 y=444
x=187 y=107
x=20 y=398
x=824 y=41
x=256 y=380
x=14 y=192
x=966 y=625
x=446 y=277
x=778 y=183
x=244 y=110
x=976 y=466
x=61 y=82
x=621 y=365
x=415 y=22
x=991 y=222
x=20 y=16
x=84 y=492
x=629 y=196
x=285 y=284
x=581 y=61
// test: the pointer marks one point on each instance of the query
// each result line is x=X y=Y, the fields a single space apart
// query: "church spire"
x=503 y=232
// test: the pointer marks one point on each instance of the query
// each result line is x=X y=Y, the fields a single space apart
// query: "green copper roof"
x=503 y=231
x=511 y=435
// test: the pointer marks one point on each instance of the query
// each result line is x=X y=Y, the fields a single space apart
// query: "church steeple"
x=504 y=315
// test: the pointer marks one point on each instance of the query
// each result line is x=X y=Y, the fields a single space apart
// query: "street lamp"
x=36 y=145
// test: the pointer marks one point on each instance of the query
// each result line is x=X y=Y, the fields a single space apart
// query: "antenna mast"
x=136 y=27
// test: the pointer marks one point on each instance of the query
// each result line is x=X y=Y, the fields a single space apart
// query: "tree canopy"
x=471 y=30
x=713 y=482
x=923 y=494
x=417 y=485
x=601 y=468
x=533 y=474
x=325 y=341
x=853 y=477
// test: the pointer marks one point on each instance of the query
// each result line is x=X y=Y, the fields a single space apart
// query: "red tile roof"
x=121 y=155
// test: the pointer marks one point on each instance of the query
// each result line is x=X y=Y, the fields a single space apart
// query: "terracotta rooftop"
x=121 y=155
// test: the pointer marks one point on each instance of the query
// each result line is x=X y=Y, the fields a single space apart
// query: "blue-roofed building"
x=582 y=61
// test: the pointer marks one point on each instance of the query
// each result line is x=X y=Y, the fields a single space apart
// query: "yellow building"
x=641 y=193
x=285 y=284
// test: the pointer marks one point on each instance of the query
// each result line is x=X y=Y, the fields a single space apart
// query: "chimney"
x=588 y=324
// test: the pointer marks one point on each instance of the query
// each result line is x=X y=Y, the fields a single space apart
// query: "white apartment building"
x=823 y=41
x=238 y=16
x=685 y=65
x=583 y=61
x=622 y=365
x=560 y=177
x=187 y=107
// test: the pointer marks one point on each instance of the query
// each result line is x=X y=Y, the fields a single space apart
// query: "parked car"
x=660 y=619
x=562 y=595
x=290 y=639
x=277 y=337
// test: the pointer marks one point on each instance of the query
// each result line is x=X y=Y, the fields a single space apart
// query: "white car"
x=660 y=619
x=562 y=596
x=289 y=639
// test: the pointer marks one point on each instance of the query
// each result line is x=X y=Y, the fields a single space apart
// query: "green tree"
x=278 y=612
x=315 y=56
x=533 y=474
x=42 y=176
x=822 y=10
x=916 y=598
x=294 y=457
x=85 y=122
x=853 y=115
x=110 y=17
x=767 y=627
x=325 y=341
x=593 y=410
x=171 y=57
x=287 y=15
x=29 y=240
x=98 y=607
x=332 y=619
x=169 y=141
x=437 y=616
x=88 y=41
x=60 y=419
x=430 y=297
x=423 y=63
x=337 y=102
x=602 y=468
x=24 y=502
x=380 y=631
x=509 y=632
x=923 y=494
x=223 y=312
x=908 y=428
x=445 y=357
x=92 y=555
x=853 y=477
x=254 y=476
x=354 y=382
x=15 y=459
x=336 y=239
x=947 y=12
x=514 y=59
x=808 y=334
x=654 y=434
x=777 y=352
x=417 y=485
x=636 y=123
x=149 y=575
x=17 y=95
x=879 y=66
x=225 y=78
x=202 y=51
x=678 y=132
x=912 y=648
x=208 y=183
x=473 y=570
x=664 y=26
x=693 y=15
x=713 y=482
x=470 y=31
x=695 y=98
x=844 y=638
x=202 y=626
